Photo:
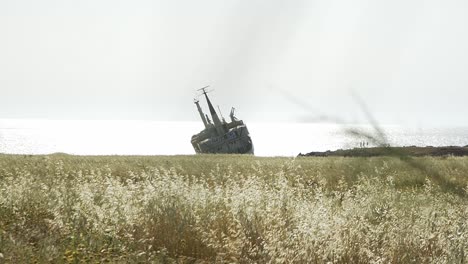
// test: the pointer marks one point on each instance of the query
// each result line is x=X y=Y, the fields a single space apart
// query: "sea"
x=97 y=137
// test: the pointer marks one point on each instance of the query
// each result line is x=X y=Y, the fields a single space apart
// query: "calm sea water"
x=172 y=138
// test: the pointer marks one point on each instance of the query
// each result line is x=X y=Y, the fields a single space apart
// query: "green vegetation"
x=411 y=151
x=227 y=209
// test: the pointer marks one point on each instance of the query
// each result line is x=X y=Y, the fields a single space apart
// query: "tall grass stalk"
x=218 y=208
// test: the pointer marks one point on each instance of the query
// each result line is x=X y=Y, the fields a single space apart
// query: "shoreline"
x=412 y=151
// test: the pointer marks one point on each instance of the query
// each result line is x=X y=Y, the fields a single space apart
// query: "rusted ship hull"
x=236 y=141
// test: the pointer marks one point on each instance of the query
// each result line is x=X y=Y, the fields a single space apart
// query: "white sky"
x=144 y=59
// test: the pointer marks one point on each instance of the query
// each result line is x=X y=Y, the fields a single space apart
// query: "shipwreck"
x=220 y=136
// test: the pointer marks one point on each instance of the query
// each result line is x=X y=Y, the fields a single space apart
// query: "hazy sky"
x=144 y=59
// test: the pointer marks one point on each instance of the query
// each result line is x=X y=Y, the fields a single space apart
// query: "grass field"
x=230 y=209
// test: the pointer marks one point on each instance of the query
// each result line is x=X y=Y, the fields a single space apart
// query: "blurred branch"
x=378 y=138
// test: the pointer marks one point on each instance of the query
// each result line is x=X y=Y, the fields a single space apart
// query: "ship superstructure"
x=220 y=136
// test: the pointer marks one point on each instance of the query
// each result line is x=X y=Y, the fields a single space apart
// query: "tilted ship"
x=220 y=136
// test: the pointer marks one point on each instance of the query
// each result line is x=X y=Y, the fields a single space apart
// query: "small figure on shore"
x=363 y=144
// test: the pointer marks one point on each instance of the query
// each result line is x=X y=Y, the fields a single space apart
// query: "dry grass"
x=225 y=209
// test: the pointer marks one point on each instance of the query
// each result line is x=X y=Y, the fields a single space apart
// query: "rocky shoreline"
x=392 y=151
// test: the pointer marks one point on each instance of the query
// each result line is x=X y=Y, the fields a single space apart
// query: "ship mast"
x=200 y=111
x=213 y=113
